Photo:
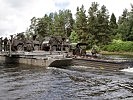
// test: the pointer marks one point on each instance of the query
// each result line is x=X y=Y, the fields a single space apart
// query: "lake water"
x=22 y=82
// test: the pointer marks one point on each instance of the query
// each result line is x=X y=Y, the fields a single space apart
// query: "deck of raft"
x=36 y=58
x=59 y=59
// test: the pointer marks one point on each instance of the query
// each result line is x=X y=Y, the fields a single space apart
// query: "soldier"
x=51 y=44
x=5 y=44
x=77 y=50
x=34 y=37
x=36 y=43
x=95 y=50
x=0 y=44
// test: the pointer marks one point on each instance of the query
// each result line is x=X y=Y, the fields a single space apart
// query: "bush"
x=119 y=46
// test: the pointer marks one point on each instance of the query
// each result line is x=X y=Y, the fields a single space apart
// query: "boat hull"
x=101 y=64
x=37 y=59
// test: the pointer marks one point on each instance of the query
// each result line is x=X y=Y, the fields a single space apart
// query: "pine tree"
x=43 y=26
x=63 y=23
x=129 y=35
x=126 y=25
x=81 y=24
x=69 y=21
x=92 y=24
x=33 y=26
x=98 y=25
x=123 y=25
x=123 y=18
x=103 y=36
x=113 y=25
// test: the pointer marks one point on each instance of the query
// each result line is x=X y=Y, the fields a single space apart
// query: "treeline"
x=93 y=26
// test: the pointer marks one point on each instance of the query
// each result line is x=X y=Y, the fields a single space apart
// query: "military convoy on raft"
x=53 y=43
x=49 y=43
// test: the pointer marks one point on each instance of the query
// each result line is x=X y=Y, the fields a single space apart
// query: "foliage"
x=74 y=37
x=95 y=27
x=104 y=35
x=125 y=25
x=92 y=24
x=113 y=25
x=120 y=46
x=98 y=25
x=60 y=23
x=81 y=24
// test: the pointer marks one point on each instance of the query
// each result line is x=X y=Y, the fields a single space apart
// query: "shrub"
x=119 y=46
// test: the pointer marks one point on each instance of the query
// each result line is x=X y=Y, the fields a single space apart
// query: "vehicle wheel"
x=36 y=48
x=20 y=48
x=54 y=48
x=29 y=47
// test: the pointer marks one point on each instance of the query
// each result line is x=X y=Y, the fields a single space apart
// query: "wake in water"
x=128 y=70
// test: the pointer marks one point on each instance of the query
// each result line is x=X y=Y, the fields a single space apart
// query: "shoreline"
x=113 y=53
x=117 y=53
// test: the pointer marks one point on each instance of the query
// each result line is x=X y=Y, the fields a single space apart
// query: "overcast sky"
x=15 y=15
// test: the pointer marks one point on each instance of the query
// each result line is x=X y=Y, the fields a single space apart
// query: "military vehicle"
x=55 y=43
x=45 y=44
x=17 y=45
x=51 y=43
x=18 y=42
x=28 y=46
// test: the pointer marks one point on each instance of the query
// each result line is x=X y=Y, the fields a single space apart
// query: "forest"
x=93 y=26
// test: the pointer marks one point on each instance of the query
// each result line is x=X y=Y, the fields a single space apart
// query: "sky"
x=15 y=15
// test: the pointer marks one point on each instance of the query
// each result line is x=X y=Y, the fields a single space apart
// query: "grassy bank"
x=113 y=53
x=116 y=53
x=117 y=47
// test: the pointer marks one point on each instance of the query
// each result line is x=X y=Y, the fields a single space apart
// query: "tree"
x=81 y=24
x=63 y=23
x=123 y=18
x=74 y=37
x=103 y=36
x=69 y=21
x=92 y=24
x=129 y=35
x=125 y=25
x=113 y=25
x=98 y=25
x=33 y=26
x=43 y=26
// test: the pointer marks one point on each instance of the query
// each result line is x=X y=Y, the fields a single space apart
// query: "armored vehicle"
x=17 y=45
x=28 y=46
x=45 y=44
x=55 y=43
x=18 y=42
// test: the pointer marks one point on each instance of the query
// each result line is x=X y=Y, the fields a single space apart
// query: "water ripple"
x=38 y=83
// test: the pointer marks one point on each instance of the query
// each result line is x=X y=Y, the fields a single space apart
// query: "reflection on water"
x=21 y=82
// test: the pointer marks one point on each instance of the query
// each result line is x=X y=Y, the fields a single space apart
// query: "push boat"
x=102 y=64
x=97 y=61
